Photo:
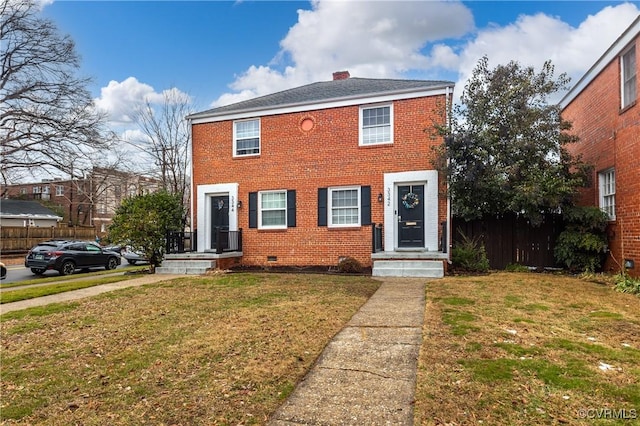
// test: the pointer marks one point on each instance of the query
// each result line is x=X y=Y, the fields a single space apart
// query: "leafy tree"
x=505 y=149
x=582 y=246
x=142 y=222
x=46 y=111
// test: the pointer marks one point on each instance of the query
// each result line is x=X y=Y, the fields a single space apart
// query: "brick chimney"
x=341 y=75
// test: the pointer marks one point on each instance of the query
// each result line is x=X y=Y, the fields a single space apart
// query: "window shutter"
x=291 y=208
x=322 y=206
x=253 y=210
x=365 y=205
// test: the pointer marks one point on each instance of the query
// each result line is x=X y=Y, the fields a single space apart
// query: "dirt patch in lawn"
x=224 y=349
x=528 y=349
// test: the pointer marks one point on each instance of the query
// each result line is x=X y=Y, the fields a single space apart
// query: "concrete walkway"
x=365 y=376
x=81 y=293
x=367 y=373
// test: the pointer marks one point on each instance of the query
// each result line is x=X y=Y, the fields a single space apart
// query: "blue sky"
x=221 y=52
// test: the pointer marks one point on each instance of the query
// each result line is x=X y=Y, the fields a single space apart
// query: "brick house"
x=603 y=107
x=313 y=174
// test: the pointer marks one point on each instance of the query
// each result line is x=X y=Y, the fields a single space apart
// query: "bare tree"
x=167 y=140
x=46 y=111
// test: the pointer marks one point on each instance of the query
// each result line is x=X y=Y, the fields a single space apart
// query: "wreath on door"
x=410 y=200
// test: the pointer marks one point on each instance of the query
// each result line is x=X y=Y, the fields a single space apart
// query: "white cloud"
x=369 y=39
x=380 y=39
x=532 y=40
x=121 y=99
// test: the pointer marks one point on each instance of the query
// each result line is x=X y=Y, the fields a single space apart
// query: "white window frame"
x=235 y=138
x=37 y=190
x=330 y=207
x=361 y=126
x=59 y=190
x=607 y=192
x=628 y=79
x=260 y=209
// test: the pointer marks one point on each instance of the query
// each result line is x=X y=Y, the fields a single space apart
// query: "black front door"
x=219 y=220
x=411 y=216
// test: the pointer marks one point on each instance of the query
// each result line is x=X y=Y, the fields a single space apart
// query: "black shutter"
x=253 y=210
x=365 y=205
x=291 y=208
x=322 y=206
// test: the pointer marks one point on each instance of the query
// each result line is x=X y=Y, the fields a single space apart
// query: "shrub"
x=626 y=284
x=581 y=246
x=469 y=255
x=516 y=267
x=349 y=265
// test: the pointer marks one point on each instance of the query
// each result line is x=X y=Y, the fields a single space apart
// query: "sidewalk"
x=82 y=293
x=367 y=373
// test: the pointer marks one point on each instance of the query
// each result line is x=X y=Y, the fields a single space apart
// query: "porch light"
x=239 y=205
x=380 y=197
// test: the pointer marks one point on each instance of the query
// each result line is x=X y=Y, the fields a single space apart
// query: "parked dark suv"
x=67 y=256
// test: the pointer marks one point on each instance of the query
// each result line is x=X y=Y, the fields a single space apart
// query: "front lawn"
x=197 y=350
x=528 y=349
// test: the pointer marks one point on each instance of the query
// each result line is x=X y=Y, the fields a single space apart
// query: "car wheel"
x=112 y=263
x=131 y=261
x=67 y=268
x=37 y=271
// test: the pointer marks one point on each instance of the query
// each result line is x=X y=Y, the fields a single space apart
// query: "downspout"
x=191 y=189
x=449 y=225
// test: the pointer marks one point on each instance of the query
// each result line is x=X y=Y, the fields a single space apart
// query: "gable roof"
x=324 y=94
x=20 y=209
x=611 y=54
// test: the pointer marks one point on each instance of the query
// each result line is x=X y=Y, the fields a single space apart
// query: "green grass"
x=9 y=296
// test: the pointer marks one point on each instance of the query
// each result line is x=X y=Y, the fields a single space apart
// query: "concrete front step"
x=408 y=268
x=185 y=266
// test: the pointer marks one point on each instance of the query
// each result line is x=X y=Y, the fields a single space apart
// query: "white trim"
x=330 y=223
x=610 y=55
x=315 y=105
x=259 y=208
x=205 y=192
x=361 y=124
x=428 y=178
x=625 y=52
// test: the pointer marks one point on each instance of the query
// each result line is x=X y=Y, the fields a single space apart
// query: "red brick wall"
x=609 y=138
x=327 y=155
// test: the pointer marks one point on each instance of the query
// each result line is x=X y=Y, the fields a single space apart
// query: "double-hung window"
x=59 y=190
x=344 y=206
x=376 y=125
x=628 y=77
x=246 y=137
x=272 y=213
x=607 y=186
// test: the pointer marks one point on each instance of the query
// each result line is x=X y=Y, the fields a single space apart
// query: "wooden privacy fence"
x=16 y=239
x=512 y=239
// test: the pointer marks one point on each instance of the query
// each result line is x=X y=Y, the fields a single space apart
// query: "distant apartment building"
x=90 y=201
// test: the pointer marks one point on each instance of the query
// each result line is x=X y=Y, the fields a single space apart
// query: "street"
x=17 y=273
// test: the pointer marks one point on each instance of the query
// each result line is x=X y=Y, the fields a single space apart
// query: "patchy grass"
x=528 y=349
x=198 y=350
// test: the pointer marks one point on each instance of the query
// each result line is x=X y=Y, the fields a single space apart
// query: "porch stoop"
x=416 y=264
x=191 y=263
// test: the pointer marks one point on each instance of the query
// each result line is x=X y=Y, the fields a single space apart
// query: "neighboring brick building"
x=306 y=173
x=91 y=201
x=603 y=107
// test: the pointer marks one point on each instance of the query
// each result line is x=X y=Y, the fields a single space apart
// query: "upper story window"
x=344 y=206
x=607 y=186
x=246 y=137
x=376 y=125
x=628 y=77
x=272 y=213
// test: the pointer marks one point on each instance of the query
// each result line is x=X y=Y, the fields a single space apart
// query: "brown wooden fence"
x=512 y=239
x=17 y=239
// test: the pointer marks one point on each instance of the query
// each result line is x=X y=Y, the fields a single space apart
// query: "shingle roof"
x=15 y=208
x=325 y=91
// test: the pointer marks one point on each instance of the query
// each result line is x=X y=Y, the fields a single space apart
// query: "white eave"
x=322 y=104
x=611 y=54
x=31 y=216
